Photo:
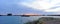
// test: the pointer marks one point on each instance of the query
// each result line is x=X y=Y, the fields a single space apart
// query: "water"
x=32 y=18
x=10 y=20
x=19 y=19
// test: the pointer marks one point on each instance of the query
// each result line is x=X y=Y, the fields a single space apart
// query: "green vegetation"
x=43 y=20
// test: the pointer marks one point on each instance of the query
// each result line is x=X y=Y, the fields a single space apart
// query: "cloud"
x=44 y=5
x=53 y=10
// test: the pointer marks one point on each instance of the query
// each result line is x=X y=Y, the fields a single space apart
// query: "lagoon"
x=19 y=19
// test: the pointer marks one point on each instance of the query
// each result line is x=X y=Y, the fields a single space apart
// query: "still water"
x=19 y=19
x=10 y=20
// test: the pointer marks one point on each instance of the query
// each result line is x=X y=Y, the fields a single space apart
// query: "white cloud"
x=43 y=5
x=53 y=10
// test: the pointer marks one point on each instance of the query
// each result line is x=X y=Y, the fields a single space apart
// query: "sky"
x=30 y=6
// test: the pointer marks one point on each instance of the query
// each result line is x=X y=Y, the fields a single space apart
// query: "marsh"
x=45 y=20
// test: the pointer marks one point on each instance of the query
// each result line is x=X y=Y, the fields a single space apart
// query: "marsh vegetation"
x=45 y=20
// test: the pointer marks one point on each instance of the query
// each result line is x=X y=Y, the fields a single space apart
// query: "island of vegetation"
x=45 y=20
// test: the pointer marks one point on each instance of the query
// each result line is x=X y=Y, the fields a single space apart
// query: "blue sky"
x=12 y=6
